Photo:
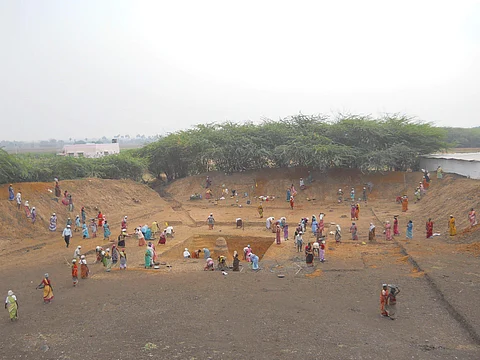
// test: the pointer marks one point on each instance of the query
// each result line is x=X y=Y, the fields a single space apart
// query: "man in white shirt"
x=186 y=254
x=77 y=253
x=67 y=234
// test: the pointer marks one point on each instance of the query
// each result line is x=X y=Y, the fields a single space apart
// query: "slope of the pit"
x=115 y=198
x=274 y=182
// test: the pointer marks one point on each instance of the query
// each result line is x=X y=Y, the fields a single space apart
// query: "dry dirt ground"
x=330 y=311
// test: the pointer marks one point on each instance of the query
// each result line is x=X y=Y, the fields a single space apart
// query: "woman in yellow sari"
x=46 y=285
x=11 y=305
x=451 y=226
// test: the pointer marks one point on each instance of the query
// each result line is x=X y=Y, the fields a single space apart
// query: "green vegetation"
x=388 y=143
x=464 y=138
x=45 y=167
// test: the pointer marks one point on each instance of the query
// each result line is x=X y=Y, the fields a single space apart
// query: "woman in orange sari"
x=74 y=272
x=46 y=285
x=404 y=203
x=451 y=226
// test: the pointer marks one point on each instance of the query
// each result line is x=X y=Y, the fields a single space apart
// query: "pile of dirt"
x=453 y=195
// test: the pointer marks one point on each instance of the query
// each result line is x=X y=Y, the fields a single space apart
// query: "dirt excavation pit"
x=220 y=245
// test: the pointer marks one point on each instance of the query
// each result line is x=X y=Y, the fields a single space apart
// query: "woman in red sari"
x=429 y=228
x=46 y=285
x=396 y=232
x=292 y=202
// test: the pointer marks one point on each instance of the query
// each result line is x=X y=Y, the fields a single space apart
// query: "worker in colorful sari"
x=84 y=270
x=472 y=217
x=452 y=229
x=429 y=228
x=100 y=219
x=383 y=299
x=148 y=258
x=260 y=210
x=108 y=260
x=11 y=193
x=53 y=223
x=46 y=285
x=321 y=225
x=289 y=194
x=154 y=229
x=404 y=203
x=74 y=272
x=211 y=221
x=309 y=254
x=371 y=232
x=141 y=238
x=78 y=224
x=340 y=196
x=357 y=211
x=254 y=259
x=292 y=202
x=11 y=304
x=439 y=172
x=409 y=233
x=352 y=212
x=338 y=233
x=314 y=225
x=391 y=305
x=106 y=231
x=277 y=235
x=123 y=259
x=353 y=231
x=396 y=230
x=85 y=231
x=388 y=231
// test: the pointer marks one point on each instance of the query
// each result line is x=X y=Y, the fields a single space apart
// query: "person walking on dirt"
x=352 y=194
x=391 y=305
x=77 y=254
x=84 y=215
x=340 y=196
x=19 y=200
x=396 y=231
x=11 y=304
x=208 y=182
x=299 y=242
x=429 y=228
x=292 y=202
x=85 y=231
x=322 y=251
x=74 y=272
x=124 y=223
x=388 y=231
x=277 y=235
x=371 y=232
x=451 y=226
x=53 y=223
x=472 y=217
x=338 y=233
x=260 y=210
x=84 y=270
x=70 y=203
x=78 y=225
x=364 y=194
x=100 y=219
x=353 y=210
x=106 y=231
x=47 y=287
x=211 y=222
x=67 y=234
x=353 y=231
x=383 y=299
x=404 y=203
x=409 y=232
x=11 y=193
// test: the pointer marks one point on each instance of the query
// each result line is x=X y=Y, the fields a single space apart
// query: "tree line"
x=391 y=142
x=314 y=141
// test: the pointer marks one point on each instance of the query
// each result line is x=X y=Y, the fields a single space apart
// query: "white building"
x=90 y=150
x=466 y=164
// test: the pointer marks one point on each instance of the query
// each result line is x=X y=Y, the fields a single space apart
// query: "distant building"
x=466 y=164
x=91 y=150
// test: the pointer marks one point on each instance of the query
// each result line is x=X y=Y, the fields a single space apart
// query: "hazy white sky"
x=95 y=67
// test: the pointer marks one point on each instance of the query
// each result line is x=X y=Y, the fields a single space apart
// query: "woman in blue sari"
x=254 y=260
x=410 y=230
x=106 y=231
x=11 y=193
x=85 y=231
